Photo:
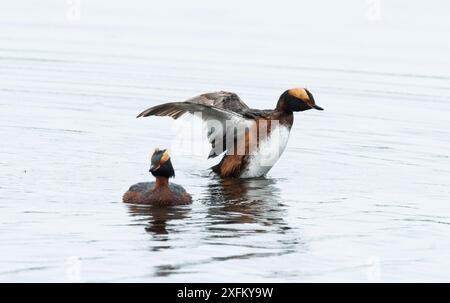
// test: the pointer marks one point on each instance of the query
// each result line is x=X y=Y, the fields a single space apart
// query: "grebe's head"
x=297 y=99
x=161 y=165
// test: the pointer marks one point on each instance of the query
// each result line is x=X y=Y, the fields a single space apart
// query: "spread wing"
x=225 y=100
x=222 y=112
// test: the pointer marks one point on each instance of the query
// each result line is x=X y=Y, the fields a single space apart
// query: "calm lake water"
x=361 y=193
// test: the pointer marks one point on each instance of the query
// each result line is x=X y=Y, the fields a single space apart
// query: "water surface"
x=360 y=194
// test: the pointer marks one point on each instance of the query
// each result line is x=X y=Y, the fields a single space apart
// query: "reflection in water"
x=232 y=219
x=254 y=200
x=158 y=217
x=228 y=201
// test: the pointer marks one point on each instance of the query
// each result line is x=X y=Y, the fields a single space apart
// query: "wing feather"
x=222 y=99
x=214 y=107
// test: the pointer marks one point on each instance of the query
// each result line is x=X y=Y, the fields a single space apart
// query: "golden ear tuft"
x=299 y=93
x=165 y=156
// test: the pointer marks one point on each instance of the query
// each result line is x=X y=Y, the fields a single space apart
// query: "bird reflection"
x=228 y=201
x=158 y=217
x=255 y=200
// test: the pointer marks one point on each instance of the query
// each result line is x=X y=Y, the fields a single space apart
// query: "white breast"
x=268 y=153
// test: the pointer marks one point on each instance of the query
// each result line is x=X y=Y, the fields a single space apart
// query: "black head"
x=297 y=99
x=161 y=165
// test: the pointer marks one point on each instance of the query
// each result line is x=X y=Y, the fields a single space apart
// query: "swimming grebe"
x=261 y=147
x=159 y=193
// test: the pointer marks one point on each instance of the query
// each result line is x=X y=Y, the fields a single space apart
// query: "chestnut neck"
x=282 y=114
x=161 y=182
